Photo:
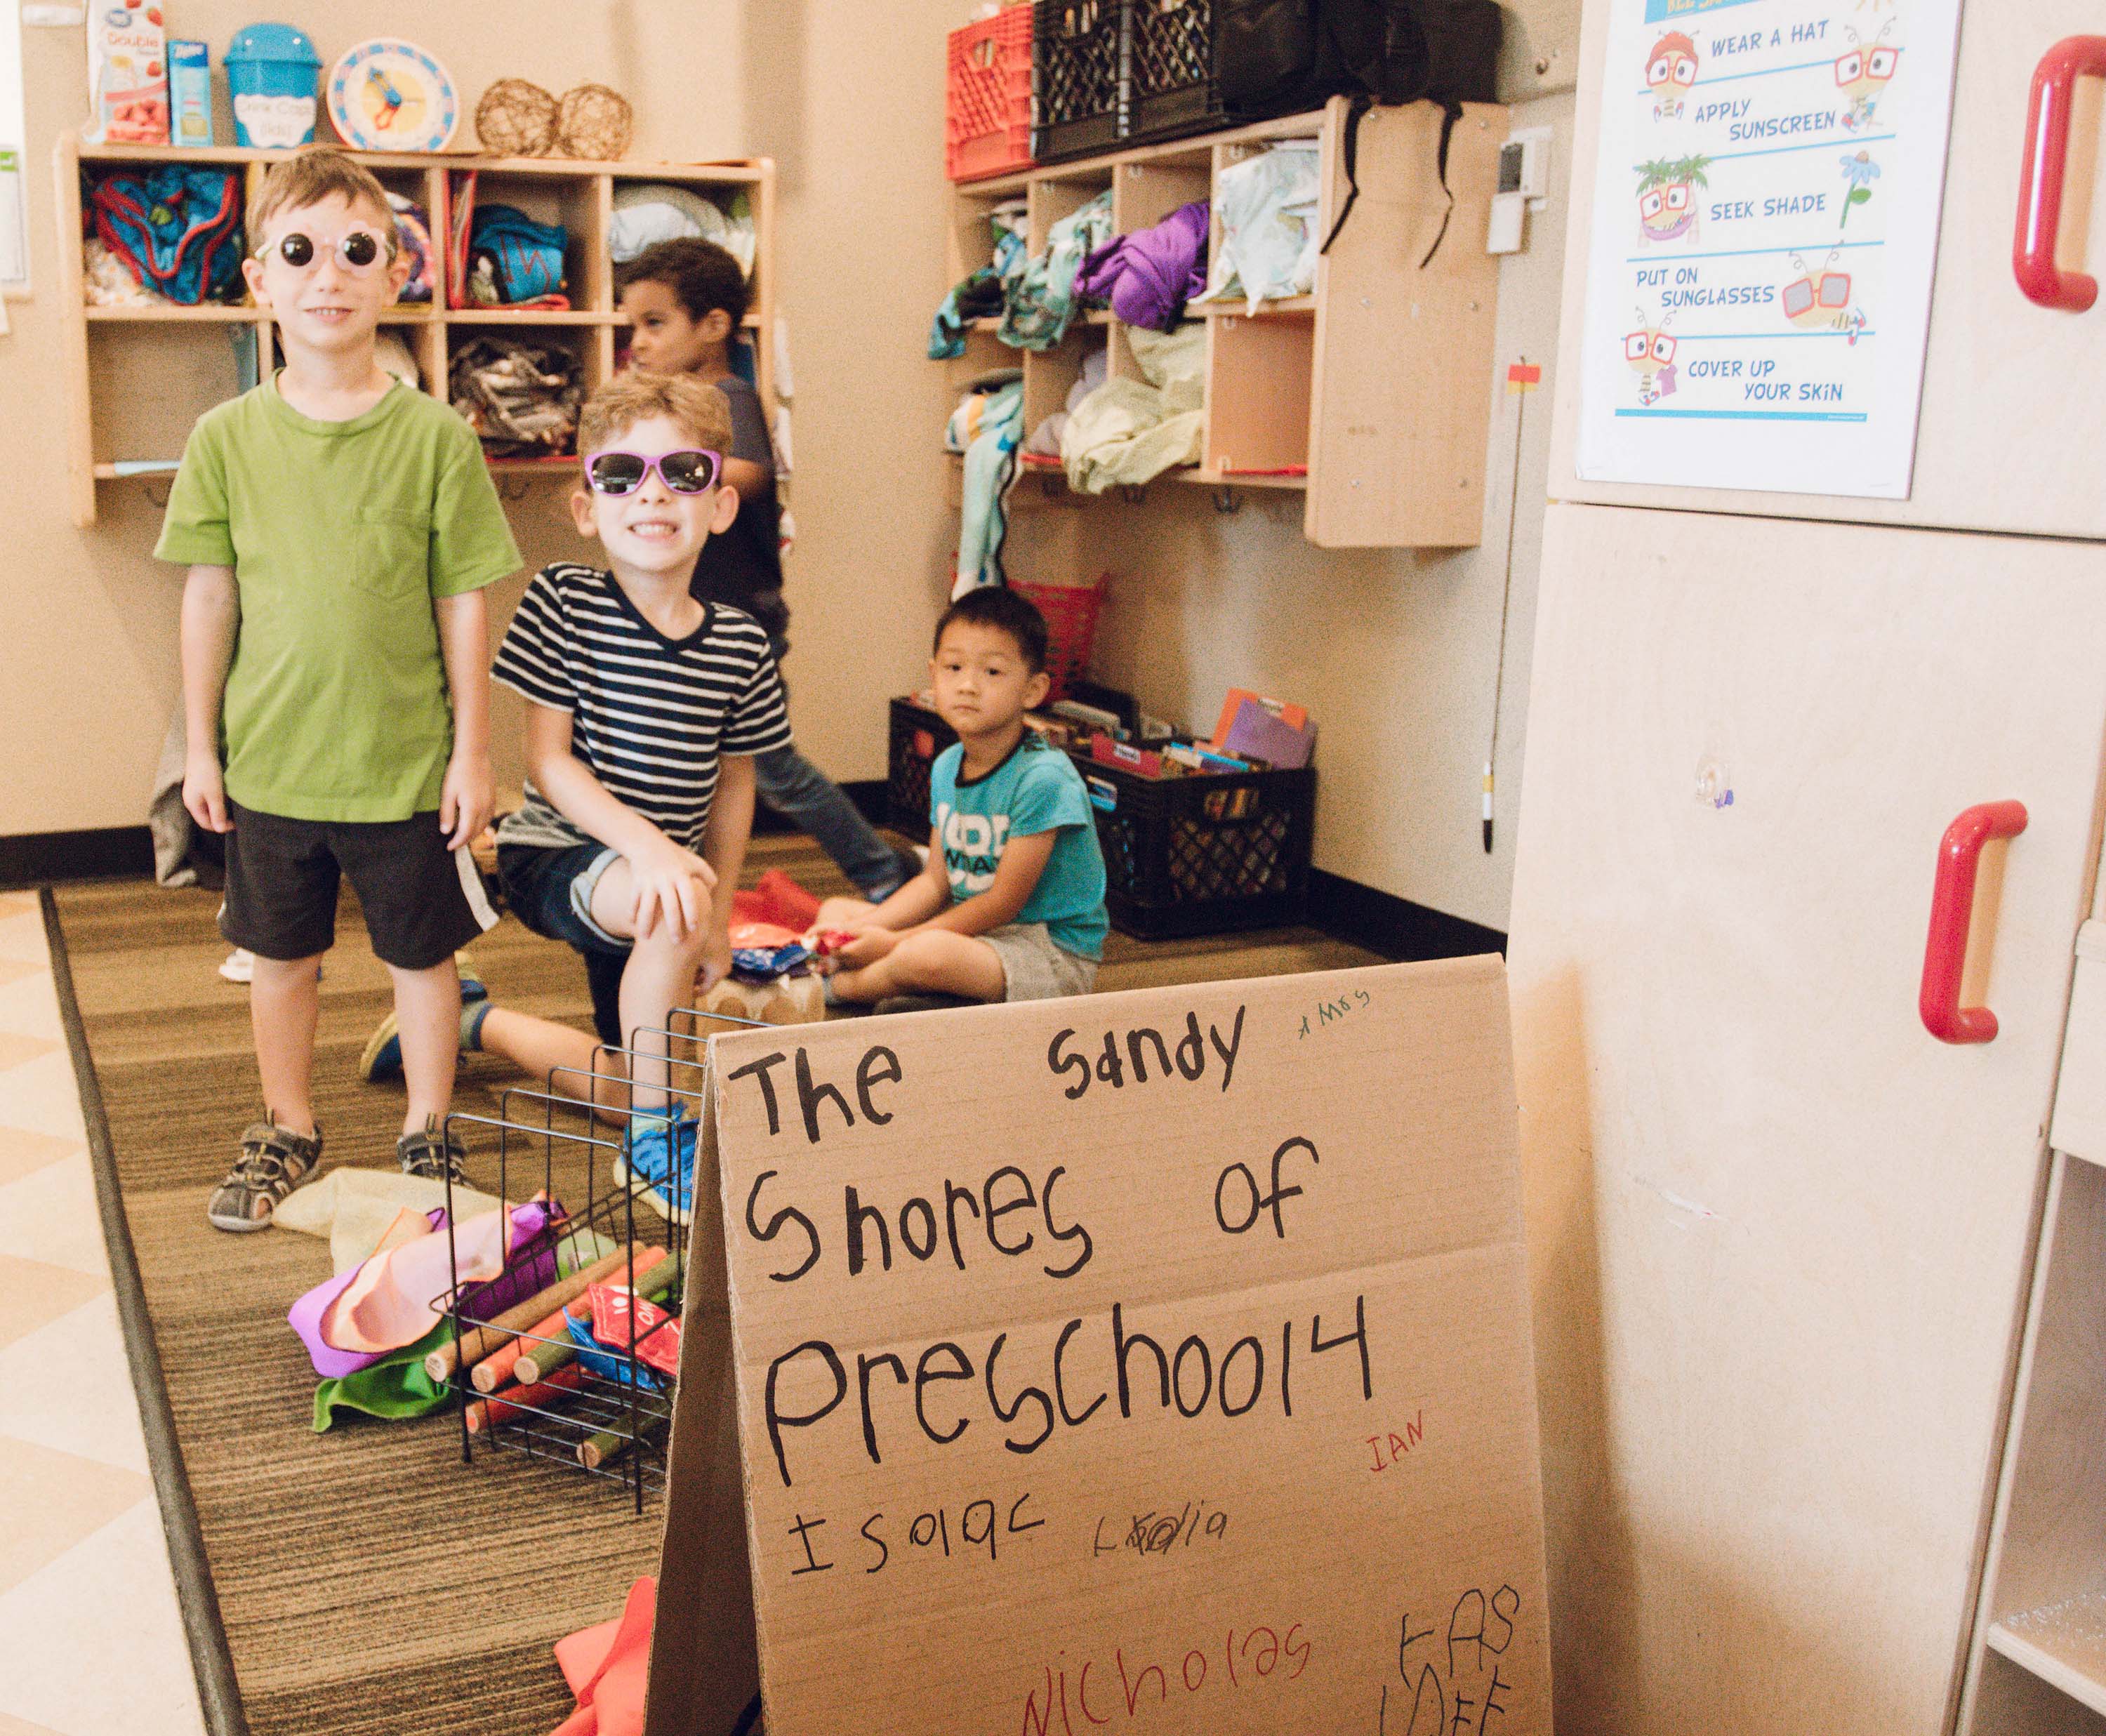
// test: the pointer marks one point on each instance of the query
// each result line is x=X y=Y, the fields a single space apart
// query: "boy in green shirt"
x=339 y=528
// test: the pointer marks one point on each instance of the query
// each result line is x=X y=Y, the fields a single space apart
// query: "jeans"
x=809 y=800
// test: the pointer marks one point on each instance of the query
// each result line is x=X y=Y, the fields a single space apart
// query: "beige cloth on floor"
x=352 y=1208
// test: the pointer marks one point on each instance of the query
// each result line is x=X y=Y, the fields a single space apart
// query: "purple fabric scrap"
x=519 y=1279
x=1148 y=275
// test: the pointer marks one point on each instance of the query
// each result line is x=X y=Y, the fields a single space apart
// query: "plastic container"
x=918 y=735
x=1078 y=77
x=1071 y=627
x=1210 y=853
x=1170 y=85
x=274 y=75
x=987 y=119
x=189 y=92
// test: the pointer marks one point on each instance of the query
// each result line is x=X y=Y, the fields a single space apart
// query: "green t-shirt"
x=340 y=534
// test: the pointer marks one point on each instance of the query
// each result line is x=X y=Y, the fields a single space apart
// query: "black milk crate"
x=1210 y=853
x=1170 y=60
x=918 y=735
x=1078 y=77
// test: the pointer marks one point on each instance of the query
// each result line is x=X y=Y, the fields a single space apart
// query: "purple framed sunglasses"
x=693 y=471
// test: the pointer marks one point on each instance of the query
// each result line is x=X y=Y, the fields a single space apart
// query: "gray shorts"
x=1034 y=968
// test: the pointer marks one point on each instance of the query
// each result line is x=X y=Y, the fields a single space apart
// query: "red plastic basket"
x=987 y=110
x=1071 y=626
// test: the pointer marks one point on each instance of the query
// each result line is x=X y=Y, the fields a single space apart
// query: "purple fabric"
x=1148 y=275
x=515 y=1284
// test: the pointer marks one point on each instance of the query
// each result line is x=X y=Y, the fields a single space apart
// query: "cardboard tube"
x=538 y=1362
x=493 y=1368
x=473 y=1346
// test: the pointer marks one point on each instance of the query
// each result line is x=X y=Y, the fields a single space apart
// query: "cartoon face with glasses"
x=1862 y=74
x=1667 y=197
x=1670 y=70
x=1650 y=352
x=1820 y=301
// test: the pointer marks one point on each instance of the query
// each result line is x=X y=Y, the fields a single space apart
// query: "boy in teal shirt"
x=1011 y=904
x=339 y=528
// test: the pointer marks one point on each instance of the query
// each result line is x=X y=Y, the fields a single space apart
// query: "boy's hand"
x=204 y=792
x=467 y=798
x=673 y=886
x=866 y=948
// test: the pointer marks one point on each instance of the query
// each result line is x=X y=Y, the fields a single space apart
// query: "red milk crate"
x=986 y=127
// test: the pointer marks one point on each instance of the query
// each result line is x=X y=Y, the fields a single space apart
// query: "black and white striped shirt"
x=649 y=715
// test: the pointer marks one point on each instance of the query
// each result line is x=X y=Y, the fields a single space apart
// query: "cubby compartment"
x=1258 y=376
x=579 y=206
x=1372 y=394
x=2044 y=1611
x=159 y=376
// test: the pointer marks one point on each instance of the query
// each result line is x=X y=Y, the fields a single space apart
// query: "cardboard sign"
x=1155 y=1363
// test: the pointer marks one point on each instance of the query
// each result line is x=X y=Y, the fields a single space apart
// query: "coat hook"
x=1226 y=500
x=515 y=488
x=161 y=505
x=1134 y=494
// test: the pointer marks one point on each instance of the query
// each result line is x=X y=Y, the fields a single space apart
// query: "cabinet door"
x=2011 y=421
x=1779 y=1235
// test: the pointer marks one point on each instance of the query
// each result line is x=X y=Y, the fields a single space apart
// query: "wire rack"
x=564 y=1142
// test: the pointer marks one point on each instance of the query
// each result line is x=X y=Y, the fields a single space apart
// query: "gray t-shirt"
x=743 y=567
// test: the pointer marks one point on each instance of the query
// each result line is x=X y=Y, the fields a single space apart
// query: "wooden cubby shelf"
x=1376 y=388
x=140 y=376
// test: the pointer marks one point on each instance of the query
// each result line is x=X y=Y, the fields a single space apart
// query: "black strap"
x=1451 y=113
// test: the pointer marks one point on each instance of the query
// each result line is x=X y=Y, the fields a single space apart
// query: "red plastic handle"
x=1951 y=909
x=2041 y=175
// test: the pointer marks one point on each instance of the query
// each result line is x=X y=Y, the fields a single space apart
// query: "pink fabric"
x=608 y=1666
x=395 y=1297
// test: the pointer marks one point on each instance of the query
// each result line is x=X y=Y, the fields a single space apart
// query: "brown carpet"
x=369 y=1584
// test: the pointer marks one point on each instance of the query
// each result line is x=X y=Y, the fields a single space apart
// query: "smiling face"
x=982 y=682
x=653 y=530
x=323 y=305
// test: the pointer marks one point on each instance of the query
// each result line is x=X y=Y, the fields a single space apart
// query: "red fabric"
x=778 y=899
x=608 y=1667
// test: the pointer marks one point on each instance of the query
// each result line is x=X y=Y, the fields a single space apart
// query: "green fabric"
x=395 y=1387
x=340 y=534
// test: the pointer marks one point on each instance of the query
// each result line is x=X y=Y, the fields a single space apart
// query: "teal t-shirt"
x=1036 y=789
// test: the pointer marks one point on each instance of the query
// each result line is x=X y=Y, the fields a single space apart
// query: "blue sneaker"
x=658 y=1160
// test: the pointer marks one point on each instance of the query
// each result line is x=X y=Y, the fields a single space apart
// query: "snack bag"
x=611 y=1304
x=127 y=75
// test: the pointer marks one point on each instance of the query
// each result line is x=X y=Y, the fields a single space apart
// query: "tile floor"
x=91 y=1641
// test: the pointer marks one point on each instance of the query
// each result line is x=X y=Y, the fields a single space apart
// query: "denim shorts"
x=551 y=890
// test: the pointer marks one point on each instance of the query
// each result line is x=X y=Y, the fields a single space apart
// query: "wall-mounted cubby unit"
x=1373 y=395
x=139 y=377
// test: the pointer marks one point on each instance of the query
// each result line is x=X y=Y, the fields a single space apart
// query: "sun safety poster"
x=1764 y=234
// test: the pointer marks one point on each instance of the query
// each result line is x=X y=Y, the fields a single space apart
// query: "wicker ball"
x=595 y=124
x=516 y=119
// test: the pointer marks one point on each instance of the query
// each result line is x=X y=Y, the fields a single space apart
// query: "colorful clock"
x=389 y=95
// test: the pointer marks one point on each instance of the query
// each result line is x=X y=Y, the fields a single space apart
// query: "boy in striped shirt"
x=644 y=710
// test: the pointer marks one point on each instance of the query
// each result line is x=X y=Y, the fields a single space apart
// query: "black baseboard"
x=866 y=793
x=34 y=858
x=1394 y=926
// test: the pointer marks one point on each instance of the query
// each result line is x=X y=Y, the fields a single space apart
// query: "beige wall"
x=1393 y=652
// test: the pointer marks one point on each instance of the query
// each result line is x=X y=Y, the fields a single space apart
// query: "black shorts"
x=422 y=902
x=551 y=890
